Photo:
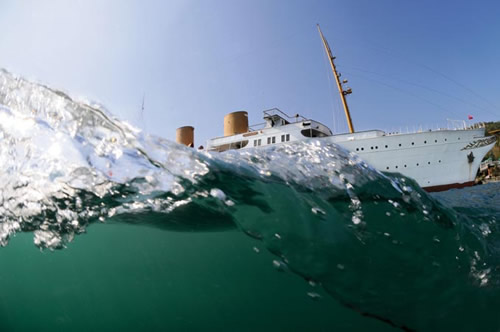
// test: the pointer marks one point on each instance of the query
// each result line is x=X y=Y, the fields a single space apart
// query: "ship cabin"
x=278 y=128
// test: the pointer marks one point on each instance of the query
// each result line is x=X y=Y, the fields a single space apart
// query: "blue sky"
x=409 y=63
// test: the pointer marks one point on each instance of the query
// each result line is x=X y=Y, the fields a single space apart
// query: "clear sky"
x=409 y=63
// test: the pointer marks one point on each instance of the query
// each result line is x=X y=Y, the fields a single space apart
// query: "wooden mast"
x=342 y=92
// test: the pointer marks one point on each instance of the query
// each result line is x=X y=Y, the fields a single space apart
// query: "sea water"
x=104 y=228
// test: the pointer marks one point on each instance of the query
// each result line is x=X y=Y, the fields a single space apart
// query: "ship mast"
x=342 y=92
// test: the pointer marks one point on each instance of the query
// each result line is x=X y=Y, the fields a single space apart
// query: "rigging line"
x=406 y=92
x=396 y=55
x=423 y=87
x=331 y=88
x=339 y=116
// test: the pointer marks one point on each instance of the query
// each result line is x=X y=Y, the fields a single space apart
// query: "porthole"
x=425 y=142
x=459 y=138
x=417 y=164
x=399 y=144
x=429 y=162
x=435 y=141
x=412 y=143
x=376 y=147
x=396 y=166
x=387 y=167
x=362 y=149
x=357 y=149
x=439 y=161
x=405 y=165
x=386 y=146
x=445 y=139
x=371 y=147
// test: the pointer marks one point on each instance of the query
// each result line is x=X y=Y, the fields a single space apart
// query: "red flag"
x=470 y=117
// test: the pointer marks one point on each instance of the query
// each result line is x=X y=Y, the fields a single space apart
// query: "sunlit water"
x=138 y=233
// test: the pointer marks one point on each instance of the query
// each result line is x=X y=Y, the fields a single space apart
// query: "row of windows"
x=272 y=140
x=417 y=164
x=387 y=146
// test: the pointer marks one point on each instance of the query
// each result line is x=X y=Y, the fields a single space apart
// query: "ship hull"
x=437 y=160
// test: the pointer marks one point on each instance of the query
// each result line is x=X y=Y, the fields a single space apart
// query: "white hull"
x=434 y=159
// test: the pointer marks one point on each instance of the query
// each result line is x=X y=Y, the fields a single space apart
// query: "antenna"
x=142 y=106
x=141 y=114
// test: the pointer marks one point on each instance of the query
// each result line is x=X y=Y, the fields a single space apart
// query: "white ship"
x=437 y=160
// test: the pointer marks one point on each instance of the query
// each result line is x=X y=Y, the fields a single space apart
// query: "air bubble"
x=279 y=266
x=217 y=193
x=313 y=295
x=317 y=210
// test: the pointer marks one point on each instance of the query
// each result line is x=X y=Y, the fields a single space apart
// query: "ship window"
x=269 y=140
x=459 y=138
x=282 y=138
x=238 y=145
x=230 y=146
x=439 y=160
x=399 y=144
x=405 y=165
x=371 y=147
x=396 y=166
x=429 y=162
x=357 y=149
x=255 y=143
x=445 y=139
x=435 y=141
x=386 y=146
x=274 y=139
x=412 y=143
x=362 y=149
x=287 y=137
x=425 y=142
x=417 y=164
x=387 y=167
x=312 y=133
x=376 y=147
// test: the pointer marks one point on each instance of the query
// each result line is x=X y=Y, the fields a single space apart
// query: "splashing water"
x=376 y=243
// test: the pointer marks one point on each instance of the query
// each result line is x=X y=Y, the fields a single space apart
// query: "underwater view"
x=104 y=227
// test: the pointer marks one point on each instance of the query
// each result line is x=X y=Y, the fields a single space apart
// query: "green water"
x=131 y=278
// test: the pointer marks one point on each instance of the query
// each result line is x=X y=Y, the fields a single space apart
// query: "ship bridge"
x=274 y=118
